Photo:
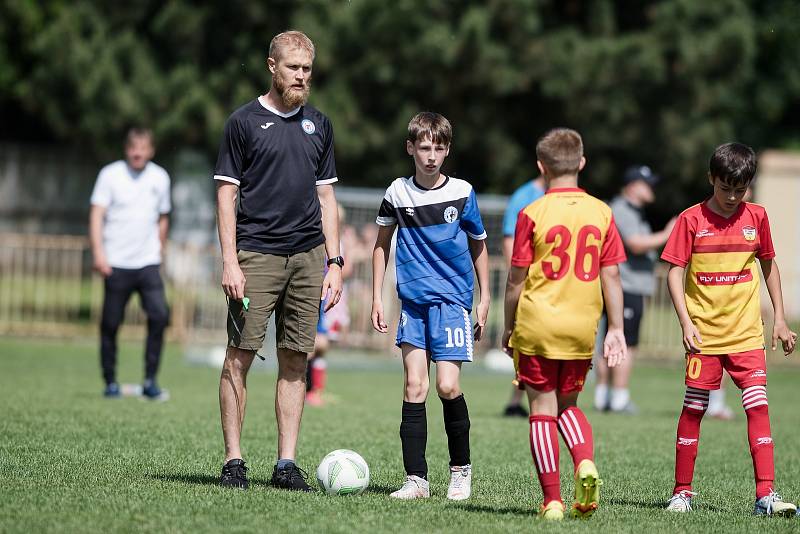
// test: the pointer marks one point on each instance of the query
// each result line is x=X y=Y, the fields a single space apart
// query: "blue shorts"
x=322 y=327
x=444 y=330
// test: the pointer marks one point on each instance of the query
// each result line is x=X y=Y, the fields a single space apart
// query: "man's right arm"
x=96 y=218
x=233 y=279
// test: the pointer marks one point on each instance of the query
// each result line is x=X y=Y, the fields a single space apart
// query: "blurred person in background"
x=128 y=224
x=524 y=195
x=277 y=219
x=638 y=280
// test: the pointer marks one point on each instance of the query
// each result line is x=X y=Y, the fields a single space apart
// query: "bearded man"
x=276 y=156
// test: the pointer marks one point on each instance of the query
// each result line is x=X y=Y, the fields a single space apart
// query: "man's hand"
x=504 y=344
x=788 y=338
x=483 y=314
x=691 y=338
x=233 y=280
x=332 y=287
x=378 y=322
x=101 y=265
x=615 y=349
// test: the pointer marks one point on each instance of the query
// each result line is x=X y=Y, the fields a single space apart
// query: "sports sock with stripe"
x=456 y=425
x=414 y=438
x=695 y=404
x=319 y=373
x=544 y=449
x=756 y=408
x=577 y=434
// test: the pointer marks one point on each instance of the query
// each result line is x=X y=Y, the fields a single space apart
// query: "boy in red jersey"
x=563 y=266
x=714 y=285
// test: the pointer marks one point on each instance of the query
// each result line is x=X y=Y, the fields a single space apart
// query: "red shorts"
x=544 y=374
x=704 y=371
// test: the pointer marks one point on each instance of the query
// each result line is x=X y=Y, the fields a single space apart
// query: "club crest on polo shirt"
x=450 y=214
x=308 y=126
x=749 y=233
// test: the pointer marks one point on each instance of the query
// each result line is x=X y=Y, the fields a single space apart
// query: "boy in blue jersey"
x=440 y=238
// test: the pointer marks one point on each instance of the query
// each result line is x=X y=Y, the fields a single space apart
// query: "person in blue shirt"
x=520 y=199
x=440 y=240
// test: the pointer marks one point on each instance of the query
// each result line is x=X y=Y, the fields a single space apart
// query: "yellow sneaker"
x=552 y=511
x=587 y=490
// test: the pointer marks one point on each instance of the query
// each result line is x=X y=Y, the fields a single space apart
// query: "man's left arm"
x=780 y=330
x=330 y=229
x=163 y=230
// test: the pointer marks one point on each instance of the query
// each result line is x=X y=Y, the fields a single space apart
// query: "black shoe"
x=234 y=474
x=112 y=391
x=513 y=410
x=150 y=390
x=290 y=477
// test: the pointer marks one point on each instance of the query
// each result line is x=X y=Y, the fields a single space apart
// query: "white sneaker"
x=413 y=488
x=772 y=504
x=460 y=486
x=681 y=501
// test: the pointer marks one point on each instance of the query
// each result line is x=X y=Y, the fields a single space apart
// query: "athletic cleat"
x=413 y=488
x=234 y=474
x=772 y=504
x=587 y=490
x=553 y=511
x=150 y=390
x=112 y=391
x=460 y=487
x=291 y=478
x=313 y=398
x=515 y=410
x=681 y=501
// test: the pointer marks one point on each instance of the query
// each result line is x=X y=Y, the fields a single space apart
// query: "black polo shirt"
x=277 y=160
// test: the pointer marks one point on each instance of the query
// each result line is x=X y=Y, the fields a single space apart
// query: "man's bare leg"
x=233 y=398
x=290 y=393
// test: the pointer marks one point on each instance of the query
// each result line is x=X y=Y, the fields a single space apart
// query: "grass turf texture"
x=73 y=461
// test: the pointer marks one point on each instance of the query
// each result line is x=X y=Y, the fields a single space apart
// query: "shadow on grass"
x=652 y=505
x=502 y=510
x=199 y=479
x=379 y=488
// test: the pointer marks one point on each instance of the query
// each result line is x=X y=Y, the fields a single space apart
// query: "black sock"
x=456 y=424
x=414 y=438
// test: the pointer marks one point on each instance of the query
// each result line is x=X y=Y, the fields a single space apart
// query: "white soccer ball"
x=343 y=472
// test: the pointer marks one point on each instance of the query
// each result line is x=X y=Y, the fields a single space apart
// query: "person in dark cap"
x=638 y=280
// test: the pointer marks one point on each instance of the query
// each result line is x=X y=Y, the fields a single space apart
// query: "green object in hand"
x=246 y=303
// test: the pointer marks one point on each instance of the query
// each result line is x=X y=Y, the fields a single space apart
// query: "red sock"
x=319 y=371
x=577 y=433
x=544 y=449
x=754 y=400
x=695 y=404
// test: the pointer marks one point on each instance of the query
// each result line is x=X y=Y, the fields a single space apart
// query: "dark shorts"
x=544 y=374
x=289 y=285
x=632 y=310
x=704 y=371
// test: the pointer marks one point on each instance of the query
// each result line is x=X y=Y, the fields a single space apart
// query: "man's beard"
x=290 y=96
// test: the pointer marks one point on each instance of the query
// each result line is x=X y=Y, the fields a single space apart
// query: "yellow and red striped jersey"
x=722 y=277
x=564 y=238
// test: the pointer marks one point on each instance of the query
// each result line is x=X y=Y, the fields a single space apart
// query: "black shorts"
x=632 y=309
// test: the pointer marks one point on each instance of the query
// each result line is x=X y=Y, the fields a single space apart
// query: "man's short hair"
x=431 y=125
x=138 y=133
x=289 y=40
x=560 y=150
x=733 y=163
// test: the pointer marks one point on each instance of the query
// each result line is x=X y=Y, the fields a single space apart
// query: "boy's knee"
x=448 y=389
x=416 y=389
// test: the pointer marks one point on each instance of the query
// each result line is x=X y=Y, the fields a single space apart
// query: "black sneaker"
x=112 y=391
x=513 y=410
x=150 y=390
x=290 y=477
x=234 y=474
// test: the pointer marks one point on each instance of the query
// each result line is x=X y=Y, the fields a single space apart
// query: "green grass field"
x=72 y=461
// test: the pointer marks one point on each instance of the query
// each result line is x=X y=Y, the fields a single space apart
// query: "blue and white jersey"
x=432 y=257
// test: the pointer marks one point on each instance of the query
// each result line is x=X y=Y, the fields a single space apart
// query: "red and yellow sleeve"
x=613 y=251
x=678 y=250
x=766 y=250
x=522 y=254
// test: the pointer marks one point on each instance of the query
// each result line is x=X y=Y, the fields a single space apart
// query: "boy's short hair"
x=289 y=40
x=733 y=163
x=560 y=150
x=431 y=125
x=138 y=133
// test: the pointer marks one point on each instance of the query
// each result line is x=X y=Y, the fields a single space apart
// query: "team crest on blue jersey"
x=450 y=214
x=749 y=233
x=308 y=126
x=403 y=319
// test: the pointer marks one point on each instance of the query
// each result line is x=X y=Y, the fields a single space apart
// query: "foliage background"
x=655 y=82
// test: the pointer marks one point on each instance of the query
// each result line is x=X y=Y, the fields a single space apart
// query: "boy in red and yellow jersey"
x=564 y=265
x=714 y=285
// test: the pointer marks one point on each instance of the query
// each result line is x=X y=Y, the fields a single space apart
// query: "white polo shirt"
x=134 y=201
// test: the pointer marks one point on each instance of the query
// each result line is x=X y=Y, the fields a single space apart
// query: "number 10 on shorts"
x=455 y=337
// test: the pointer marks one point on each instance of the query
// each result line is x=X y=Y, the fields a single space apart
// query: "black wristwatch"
x=338 y=260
